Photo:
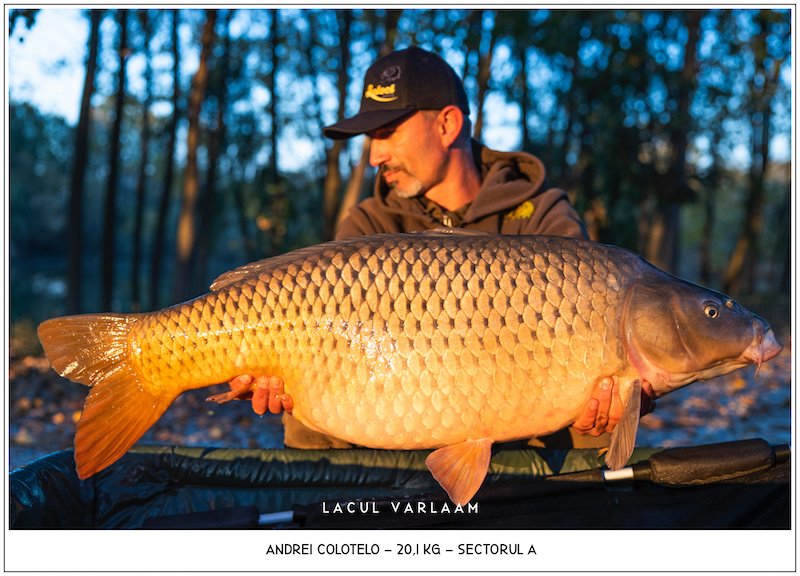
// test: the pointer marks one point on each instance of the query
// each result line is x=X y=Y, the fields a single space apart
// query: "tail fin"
x=93 y=349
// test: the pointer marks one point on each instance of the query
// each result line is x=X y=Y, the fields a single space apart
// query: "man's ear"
x=450 y=122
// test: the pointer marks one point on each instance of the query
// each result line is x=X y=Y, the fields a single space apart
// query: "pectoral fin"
x=623 y=439
x=461 y=468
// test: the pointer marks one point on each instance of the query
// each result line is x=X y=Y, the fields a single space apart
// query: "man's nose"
x=378 y=152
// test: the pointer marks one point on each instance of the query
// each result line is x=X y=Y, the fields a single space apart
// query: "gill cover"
x=678 y=332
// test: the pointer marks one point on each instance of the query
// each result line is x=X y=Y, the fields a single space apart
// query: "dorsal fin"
x=261 y=266
x=444 y=231
x=268 y=264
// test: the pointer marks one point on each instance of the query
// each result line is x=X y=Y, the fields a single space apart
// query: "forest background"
x=198 y=147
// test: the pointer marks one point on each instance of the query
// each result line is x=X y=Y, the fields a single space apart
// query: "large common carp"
x=448 y=340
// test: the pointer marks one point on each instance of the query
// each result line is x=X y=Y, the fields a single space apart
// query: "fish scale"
x=423 y=330
x=442 y=339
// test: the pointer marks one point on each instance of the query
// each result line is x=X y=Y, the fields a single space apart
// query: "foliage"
x=646 y=118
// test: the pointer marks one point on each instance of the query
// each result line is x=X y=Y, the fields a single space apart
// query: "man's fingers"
x=261 y=395
x=585 y=423
x=241 y=380
x=288 y=403
x=604 y=396
x=275 y=393
x=264 y=392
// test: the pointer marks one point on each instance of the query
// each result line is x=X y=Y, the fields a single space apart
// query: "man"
x=433 y=174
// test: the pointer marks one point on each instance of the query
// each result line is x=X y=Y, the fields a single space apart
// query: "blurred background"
x=151 y=150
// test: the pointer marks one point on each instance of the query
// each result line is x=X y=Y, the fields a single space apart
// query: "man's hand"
x=264 y=392
x=604 y=410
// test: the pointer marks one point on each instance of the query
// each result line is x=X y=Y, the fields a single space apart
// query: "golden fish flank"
x=448 y=340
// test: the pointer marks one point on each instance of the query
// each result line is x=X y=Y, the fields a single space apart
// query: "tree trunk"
x=331 y=188
x=525 y=97
x=356 y=184
x=272 y=107
x=745 y=254
x=215 y=145
x=391 y=20
x=662 y=241
x=187 y=227
x=136 y=280
x=75 y=226
x=472 y=41
x=278 y=209
x=712 y=182
x=662 y=244
x=110 y=218
x=358 y=171
x=483 y=77
x=706 y=266
x=163 y=208
x=248 y=241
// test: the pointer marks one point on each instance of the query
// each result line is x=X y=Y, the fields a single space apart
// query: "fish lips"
x=764 y=346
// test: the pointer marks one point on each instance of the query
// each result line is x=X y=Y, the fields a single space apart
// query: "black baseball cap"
x=398 y=84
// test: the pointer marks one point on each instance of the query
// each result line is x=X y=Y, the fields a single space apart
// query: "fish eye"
x=711 y=310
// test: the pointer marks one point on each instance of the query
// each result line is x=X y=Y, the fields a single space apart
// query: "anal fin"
x=461 y=468
x=623 y=440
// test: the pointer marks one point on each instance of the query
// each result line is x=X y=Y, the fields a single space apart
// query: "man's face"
x=410 y=154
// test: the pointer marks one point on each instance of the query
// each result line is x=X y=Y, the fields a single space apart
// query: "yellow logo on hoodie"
x=524 y=210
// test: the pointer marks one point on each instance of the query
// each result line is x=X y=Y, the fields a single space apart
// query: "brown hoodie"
x=513 y=199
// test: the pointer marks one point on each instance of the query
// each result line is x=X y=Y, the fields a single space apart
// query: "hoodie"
x=513 y=199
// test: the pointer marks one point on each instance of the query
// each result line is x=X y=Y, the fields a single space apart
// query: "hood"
x=508 y=179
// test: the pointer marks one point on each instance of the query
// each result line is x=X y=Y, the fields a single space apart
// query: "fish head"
x=677 y=333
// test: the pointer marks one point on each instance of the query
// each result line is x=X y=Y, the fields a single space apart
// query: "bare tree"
x=75 y=226
x=161 y=225
x=277 y=195
x=663 y=224
x=110 y=218
x=745 y=254
x=144 y=149
x=356 y=183
x=484 y=73
x=187 y=226
x=358 y=171
x=216 y=141
x=331 y=190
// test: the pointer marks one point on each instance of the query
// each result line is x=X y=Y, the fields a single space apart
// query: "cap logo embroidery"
x=390 y=74
x=380 y=93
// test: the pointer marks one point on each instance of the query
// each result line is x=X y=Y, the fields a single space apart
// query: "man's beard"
x=410 y=189
x=414 y=188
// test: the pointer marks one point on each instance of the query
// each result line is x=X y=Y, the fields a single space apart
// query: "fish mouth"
x=763 y=347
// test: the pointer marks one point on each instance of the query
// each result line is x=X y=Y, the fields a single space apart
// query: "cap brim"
x=363 y=122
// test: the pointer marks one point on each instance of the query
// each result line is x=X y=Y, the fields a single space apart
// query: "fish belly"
x=408 y=342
